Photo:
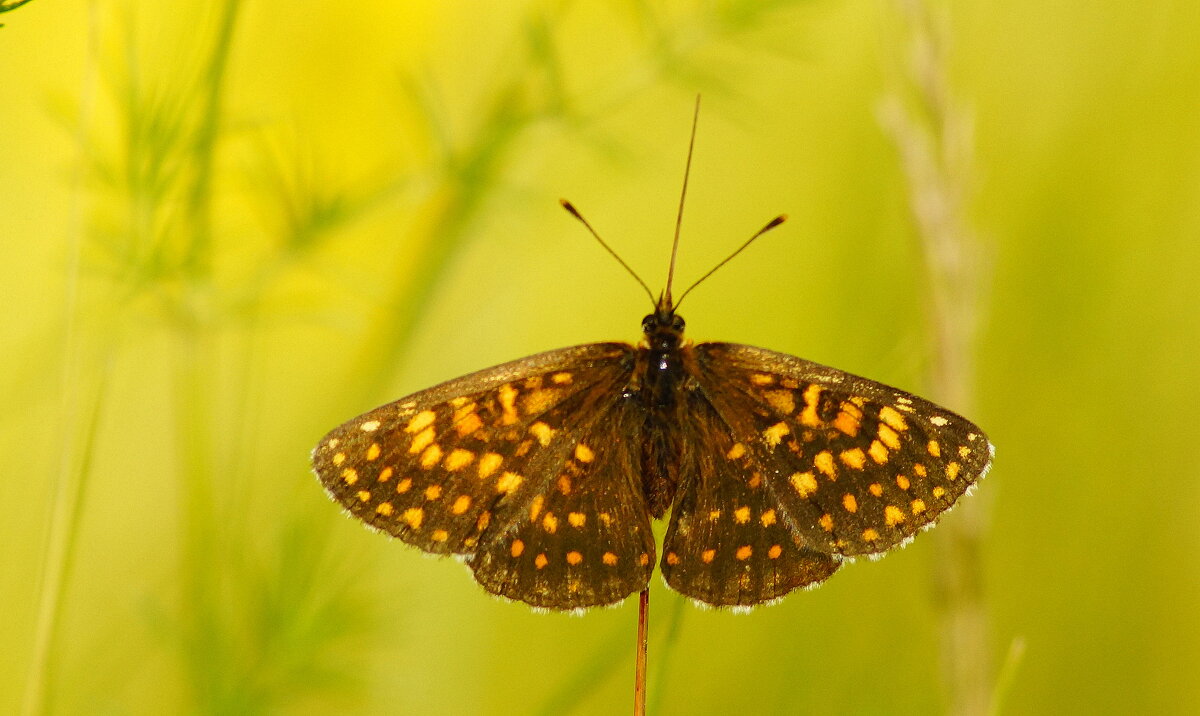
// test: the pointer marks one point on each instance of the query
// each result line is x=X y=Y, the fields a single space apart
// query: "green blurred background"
x=227 y=227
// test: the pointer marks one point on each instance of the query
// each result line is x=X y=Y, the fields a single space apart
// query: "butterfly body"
x=544 y=473
x=661 y=383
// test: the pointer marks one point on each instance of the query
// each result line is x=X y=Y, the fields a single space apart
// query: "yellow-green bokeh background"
x=200 y=276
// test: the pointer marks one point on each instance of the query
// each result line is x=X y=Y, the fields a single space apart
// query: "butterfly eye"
x=648 y=323
x=677 y=323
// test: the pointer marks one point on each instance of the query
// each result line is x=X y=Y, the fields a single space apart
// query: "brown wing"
x=461 y=467
x=859 y=467
x=731 y=543
x=584 y=539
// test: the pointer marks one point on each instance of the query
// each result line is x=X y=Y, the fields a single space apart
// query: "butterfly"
x=543 y=474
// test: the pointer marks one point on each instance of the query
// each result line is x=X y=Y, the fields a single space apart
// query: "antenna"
x=575 y=212
x=683 y=195
x=665 y=299
x=770 y=225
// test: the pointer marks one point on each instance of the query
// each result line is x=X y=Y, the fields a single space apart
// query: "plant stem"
x=74 y=461
x=933 y=134
x=639 y=683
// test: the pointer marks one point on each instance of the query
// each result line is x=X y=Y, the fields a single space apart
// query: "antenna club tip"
x=569 y=207
x=775 y=222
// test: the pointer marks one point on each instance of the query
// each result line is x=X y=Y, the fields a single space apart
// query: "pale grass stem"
x=75 y=460
x=933 y=134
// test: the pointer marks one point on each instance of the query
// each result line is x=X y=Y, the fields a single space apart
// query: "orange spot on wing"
x=854 y=458
x=804 y=483
x=508 y=404
x=509 y=482
x=421 y=441
x=847 y=423
x=420 y=421
x=808 y=416
x=824 y=464
x=535 y=507
x=458 y=459
x=893 y=418
x=890 y=438
x=774 y=434
x=782 y=400
x=431 y=456
x=489 y=463
x=543 y=432
x=468 y=424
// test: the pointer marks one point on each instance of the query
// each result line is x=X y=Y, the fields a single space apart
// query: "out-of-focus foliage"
x=229 y=226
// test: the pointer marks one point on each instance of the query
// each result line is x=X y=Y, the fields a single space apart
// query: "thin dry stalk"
x=79 y=418
x=639 y=679
x=934 y=135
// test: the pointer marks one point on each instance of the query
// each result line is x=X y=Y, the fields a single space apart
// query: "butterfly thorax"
x=661 y=382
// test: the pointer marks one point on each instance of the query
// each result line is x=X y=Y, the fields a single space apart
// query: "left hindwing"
x=856 y=466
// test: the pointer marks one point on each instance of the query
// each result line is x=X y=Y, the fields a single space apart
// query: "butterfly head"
x=664 y=327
